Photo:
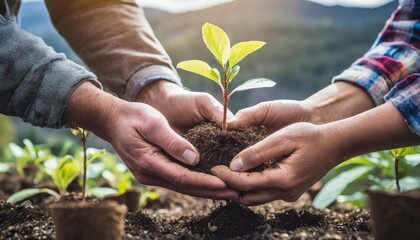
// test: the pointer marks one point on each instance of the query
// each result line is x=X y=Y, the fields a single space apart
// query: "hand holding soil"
x=140 y=144
x=303 y=155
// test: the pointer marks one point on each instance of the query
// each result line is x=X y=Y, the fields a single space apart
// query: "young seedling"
x=217 y=41
x=398 y=154
x=82 y=133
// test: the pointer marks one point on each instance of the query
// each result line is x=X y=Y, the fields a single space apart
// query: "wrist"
x=92 y=109
x=156 y=93
x=378 y=129
x=338 y=101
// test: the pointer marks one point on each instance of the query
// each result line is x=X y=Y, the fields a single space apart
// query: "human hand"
x=139 y=136
x=305 y=153
x=275 y=115
x=182 y=108
x=139 y=133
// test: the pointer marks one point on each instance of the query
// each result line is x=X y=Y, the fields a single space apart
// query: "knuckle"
x=179 y=181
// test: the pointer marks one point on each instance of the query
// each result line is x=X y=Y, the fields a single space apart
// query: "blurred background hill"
x=307 y=43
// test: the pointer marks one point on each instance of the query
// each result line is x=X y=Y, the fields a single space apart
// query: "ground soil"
x=218 y=148
x=176 y=216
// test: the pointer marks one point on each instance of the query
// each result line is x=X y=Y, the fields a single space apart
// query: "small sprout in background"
x=218 y=42
x=28 y=160
x=398 y=154
x=83 y=134
x=378 y=170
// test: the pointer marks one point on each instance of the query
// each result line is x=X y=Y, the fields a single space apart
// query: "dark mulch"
x=218 y=148
x=184 y=217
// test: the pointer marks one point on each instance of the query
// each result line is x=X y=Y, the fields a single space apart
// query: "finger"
x=274 y=147
x=162 y=135
x=243 y=181
x=211 y=109
x=178 y=175
x=219 y=194
x=252 y=116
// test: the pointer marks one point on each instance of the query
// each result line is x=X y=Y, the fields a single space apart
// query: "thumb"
x=162 y=135
x=271 y=148
x=252 y=116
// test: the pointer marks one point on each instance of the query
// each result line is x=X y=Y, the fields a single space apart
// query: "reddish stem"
x=84 y=167
x=225 y=102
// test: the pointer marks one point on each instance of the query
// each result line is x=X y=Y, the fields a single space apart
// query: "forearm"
x=92 y=109
x=36 y=82
x=378 y=129
x=117 y=42
x=338 y=101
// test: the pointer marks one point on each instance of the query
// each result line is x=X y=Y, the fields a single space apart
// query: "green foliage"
x=347 y=181
x=64 y=172
x=24 y=194
x=7 y=132
x=217 y=41
x=29 y=156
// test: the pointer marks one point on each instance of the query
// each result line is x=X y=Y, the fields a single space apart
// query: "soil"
x=176 y=216
x=218 y=148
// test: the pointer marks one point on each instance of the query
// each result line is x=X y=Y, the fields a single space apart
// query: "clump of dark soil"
x=292 y=219
x=218 y=148
x=231 y=220
x=24 y=222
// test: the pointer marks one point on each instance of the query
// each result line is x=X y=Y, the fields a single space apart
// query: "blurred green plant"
x=27 y=160
x=7 y=132
x=384 y=170
x=106 y=176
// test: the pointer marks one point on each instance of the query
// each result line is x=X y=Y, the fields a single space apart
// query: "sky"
x=178 y=6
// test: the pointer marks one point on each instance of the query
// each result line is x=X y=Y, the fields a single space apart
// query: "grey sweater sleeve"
x=36 y=82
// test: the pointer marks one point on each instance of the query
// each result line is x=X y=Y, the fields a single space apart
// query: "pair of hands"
x=139 y=143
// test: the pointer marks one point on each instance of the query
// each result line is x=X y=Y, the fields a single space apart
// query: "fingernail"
x=190 y=157
x=237 y=164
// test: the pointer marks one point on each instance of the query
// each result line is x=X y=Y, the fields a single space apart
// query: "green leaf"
x=80 y=132
x=101 y=192
x=124 y=182
x=30 y=148
x=232 y=73
x=200 y=68
x=16 y=150
x=93 y=153
x=217 y=42
x=243 y=49
x=4 y=167
x=255 y=83
x=337 y=185
x=358 y=199
x=401 y=152
x=360 y=160
x=66 y=171
x=28 y=193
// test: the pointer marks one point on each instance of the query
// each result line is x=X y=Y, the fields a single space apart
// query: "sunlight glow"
x=178 y=6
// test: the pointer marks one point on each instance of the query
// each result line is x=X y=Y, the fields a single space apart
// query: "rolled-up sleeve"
x=36 y=82
x=115 y=40
x=394 y=55
x=405 y=96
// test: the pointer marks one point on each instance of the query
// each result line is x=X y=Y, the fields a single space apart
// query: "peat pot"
x=88 y=220
x=395 y=215
x=131 y=199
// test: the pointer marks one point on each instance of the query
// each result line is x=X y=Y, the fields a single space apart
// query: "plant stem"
x=84 y=167
x=397 y=177
x=225 y=101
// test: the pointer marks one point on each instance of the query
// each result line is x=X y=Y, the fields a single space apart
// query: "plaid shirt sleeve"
x=390 y=70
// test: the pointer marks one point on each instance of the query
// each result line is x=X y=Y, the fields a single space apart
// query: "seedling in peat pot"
x=217 y=41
